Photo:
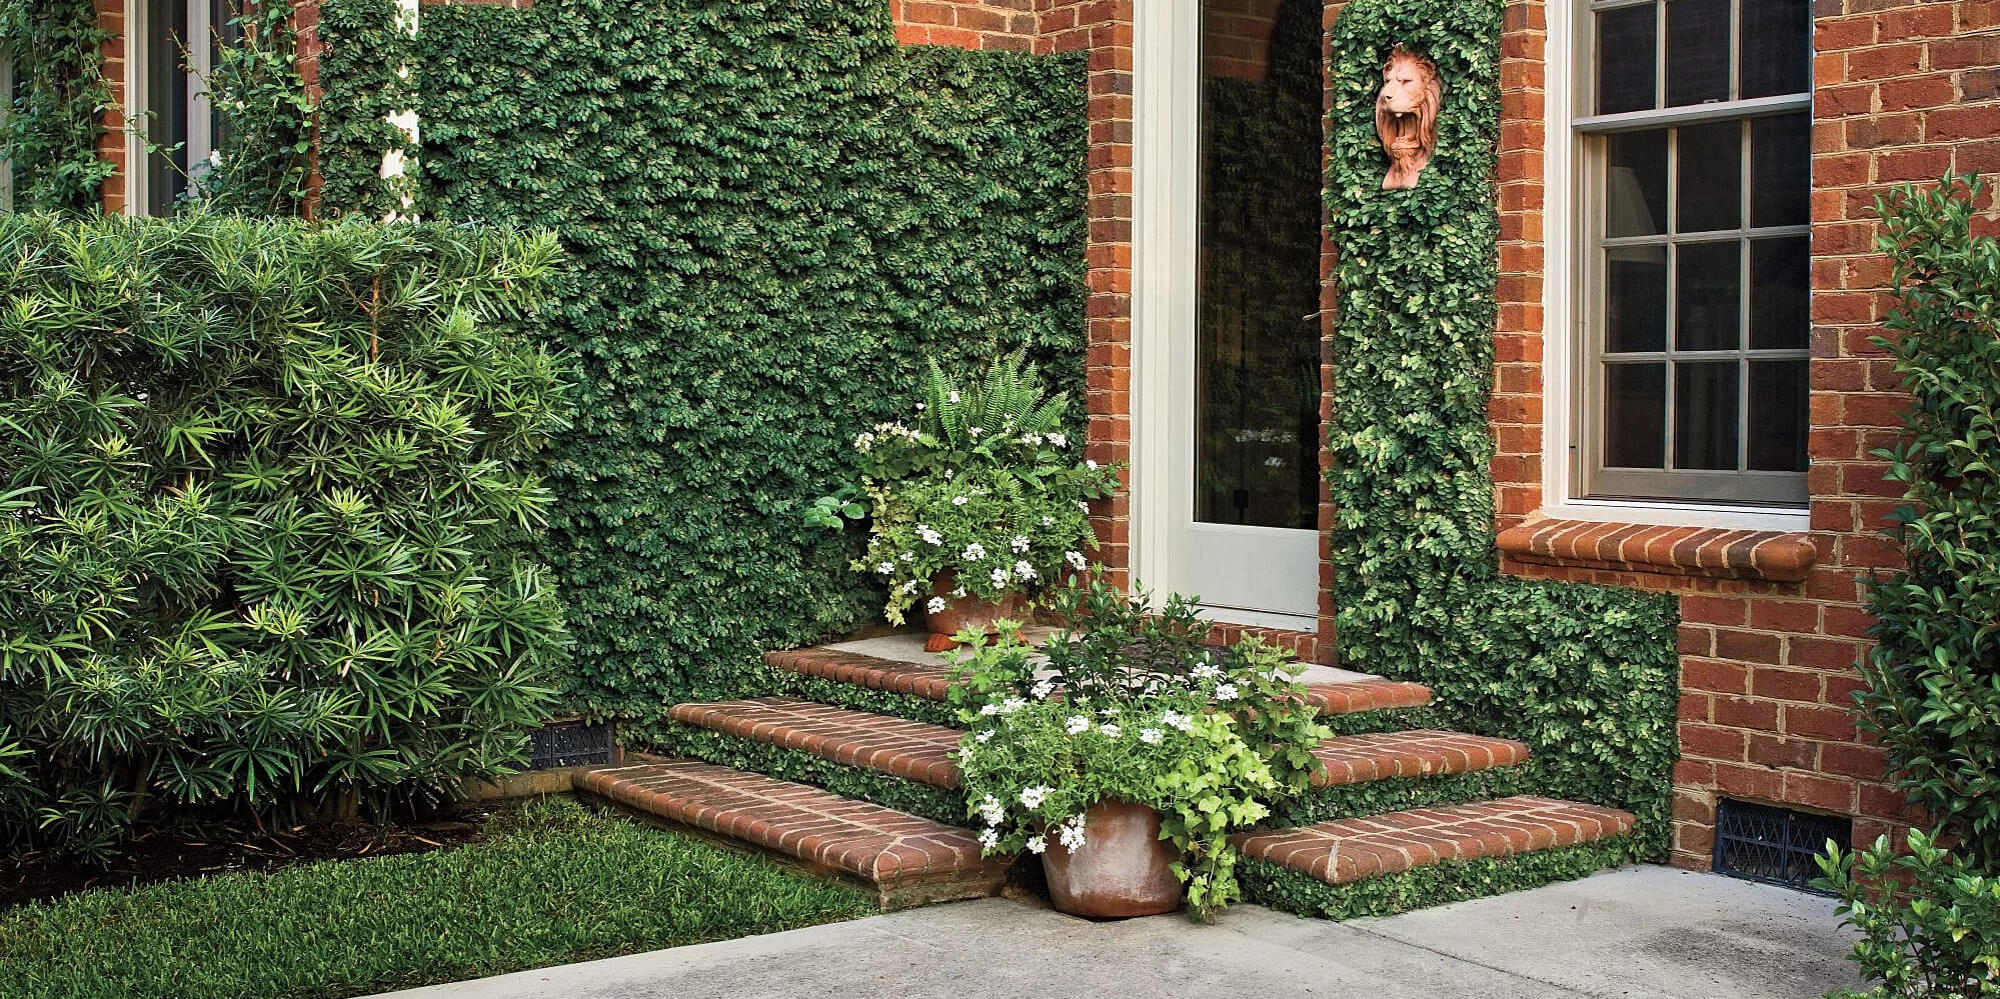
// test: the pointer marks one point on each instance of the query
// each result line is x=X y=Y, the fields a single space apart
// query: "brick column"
x=112 y=145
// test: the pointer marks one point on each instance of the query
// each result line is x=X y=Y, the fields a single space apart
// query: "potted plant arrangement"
x=1125 y=751
x=976 y=506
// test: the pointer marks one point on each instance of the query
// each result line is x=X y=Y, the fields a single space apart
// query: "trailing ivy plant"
x=264 y=492
x=264 y=157
x=1933 y=697
x=51 y=127
x=1585 y=675
x=776 y=215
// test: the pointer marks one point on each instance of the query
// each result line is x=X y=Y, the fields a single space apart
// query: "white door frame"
x=1170 y=552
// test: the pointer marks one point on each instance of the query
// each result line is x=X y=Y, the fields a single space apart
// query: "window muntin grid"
x=1695 y=278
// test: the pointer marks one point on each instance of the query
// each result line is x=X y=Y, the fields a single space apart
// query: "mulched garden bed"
x=166 y=855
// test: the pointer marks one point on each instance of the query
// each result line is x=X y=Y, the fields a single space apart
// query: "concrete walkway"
x=1632 y=933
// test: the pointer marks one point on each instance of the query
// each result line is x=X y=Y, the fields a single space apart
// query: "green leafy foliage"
x=1584 y=675
x=1132 y=706
x=888 y=790
x=263 y=490
x=1929 y=922
x=1933 y=697
x=49 y=132
x=264 y=147
x=550 y=884
x=776 y=214
x=361 y=70
x=986 y=490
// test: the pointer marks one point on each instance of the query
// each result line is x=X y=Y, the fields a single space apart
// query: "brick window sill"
x=1707 y=552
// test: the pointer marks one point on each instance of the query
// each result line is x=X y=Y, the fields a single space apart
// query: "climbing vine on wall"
x=361 y=69
x=54 y=120
x=1585 y=675
x=775 y=213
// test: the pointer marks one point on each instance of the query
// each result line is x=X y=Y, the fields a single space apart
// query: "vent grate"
x=571 y=744
x=1774 y=845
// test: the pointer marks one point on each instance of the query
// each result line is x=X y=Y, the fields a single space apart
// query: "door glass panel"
x=1258 y=344
x=166 y=98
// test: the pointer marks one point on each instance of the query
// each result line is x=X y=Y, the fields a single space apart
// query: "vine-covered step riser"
x=672 y=738
x=846 y=695
x=1437 y=884
x=1349 y=801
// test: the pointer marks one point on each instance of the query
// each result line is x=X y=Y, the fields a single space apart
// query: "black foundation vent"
x=571 y=744
x=1774 y=845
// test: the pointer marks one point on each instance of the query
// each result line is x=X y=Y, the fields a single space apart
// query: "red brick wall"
x=968 y=24
x=1904 y=91
x=111 y=146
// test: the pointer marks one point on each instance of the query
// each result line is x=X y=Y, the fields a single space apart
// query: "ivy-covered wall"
x=1586 y=675
x=774 y=213
x=54 y=118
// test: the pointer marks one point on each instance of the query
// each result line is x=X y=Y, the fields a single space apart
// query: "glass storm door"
x=1227 y=327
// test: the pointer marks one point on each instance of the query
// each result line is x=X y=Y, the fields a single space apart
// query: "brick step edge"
x=932 y=681
x=885 y=744
x=907 y=859
x=1349 y=850
x=1359 y=759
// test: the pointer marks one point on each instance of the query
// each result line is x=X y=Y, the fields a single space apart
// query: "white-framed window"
x=1679 y=175
x=171 y=54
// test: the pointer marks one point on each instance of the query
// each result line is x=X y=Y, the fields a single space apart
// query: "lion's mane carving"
x=1406 y=116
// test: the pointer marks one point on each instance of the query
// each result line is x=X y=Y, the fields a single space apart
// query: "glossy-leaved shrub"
x=264 y=487
x=1933 y=697
x=1929 y=924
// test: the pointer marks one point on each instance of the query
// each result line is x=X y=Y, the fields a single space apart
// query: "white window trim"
x=1561 y=231
x=138 y=53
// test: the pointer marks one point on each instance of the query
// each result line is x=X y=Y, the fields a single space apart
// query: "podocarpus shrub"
x=1933 y=697
x=261 y=490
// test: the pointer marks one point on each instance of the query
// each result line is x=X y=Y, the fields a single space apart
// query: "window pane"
x=1635 y=299
x=1779 y=285
x=1778 y=416
x=1635 y=189
x=1707 y=296
x=1697 y=51
x=1635 y=415
x=1626 y=52
x=1711 y=178
x=1780 y=170
x=1776 y=46
x=1705 y=400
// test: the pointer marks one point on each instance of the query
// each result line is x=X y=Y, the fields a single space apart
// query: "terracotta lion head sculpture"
x=1406 y=116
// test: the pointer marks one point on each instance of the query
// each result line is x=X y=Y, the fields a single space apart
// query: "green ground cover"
x=553 y=882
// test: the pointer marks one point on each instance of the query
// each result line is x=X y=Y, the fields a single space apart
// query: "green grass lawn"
x=555 y=882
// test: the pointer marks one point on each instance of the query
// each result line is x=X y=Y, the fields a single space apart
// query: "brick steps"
x=923 y=752
x=1350 y=850
x=881 y=743
x=905 y=859
x=1357 y=759
x=932 y=681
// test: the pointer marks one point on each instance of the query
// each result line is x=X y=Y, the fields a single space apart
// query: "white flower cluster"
x=1151 y=736
x=1025 y=571
x=1078 y=724
x=930 y=536
x=1110 y=731
x=1019 y=544
x=886 y=568
x=1206 y=671
x=1070 y=833
x=1225 y=691
x=1034 y=796
x=959 y=501
x=937 y=605
x=1042 y=689
x=1176 y=720
x=1001 y=577
x=973 y=552
x=992 y=810
x=1059 y=440
x=1076 y=561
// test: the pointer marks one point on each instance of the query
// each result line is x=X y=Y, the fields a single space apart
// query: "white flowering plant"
x=1132 y=705
x=984 y=486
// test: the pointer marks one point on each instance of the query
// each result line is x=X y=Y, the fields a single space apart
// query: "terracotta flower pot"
x=968 y=611
x=1123 y=868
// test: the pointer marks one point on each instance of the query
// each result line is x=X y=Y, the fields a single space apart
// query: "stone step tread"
x=923 y=752
x=1348 y=850
x=881 y=846
x=1357 y=759
x=932 y=681
x=882 y=743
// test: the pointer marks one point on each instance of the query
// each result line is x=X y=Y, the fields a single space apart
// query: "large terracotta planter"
x=1123 y=868
x=968 y=611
